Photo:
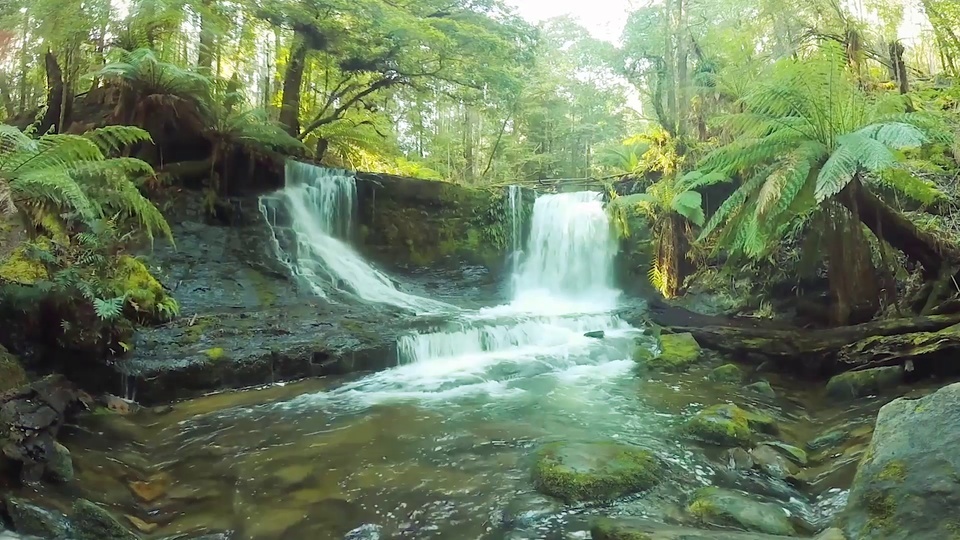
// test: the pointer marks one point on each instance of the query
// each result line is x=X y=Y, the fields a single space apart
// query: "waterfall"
x=515 y=207
x=312 y=221
x=570 y=252
x=563 y=289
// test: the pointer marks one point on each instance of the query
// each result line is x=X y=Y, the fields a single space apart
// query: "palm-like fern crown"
x=805 y=133
x=72 y=176
x=234 y=121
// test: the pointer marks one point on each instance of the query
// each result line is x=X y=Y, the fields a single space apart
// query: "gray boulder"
x=908 y=484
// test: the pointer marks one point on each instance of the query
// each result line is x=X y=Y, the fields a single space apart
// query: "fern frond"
x=113 y=139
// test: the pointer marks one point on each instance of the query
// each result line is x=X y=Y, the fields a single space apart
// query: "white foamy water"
x=564 y=289
x=312 y=221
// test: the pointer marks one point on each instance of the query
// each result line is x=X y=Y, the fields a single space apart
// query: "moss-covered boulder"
x=726 y=373
x=594 y=471
x=21 y=266
x=907 y=485
x=91 y=522
x=628 y=528
x=12 y=374
x=677 y=353
x=729 y=425
x=33 y=520
x=857 y=384
x=145 y=295
x=726 y=508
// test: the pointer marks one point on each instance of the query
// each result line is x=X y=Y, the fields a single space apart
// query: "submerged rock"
x=91 y=522
x=739 y=459
x=577 y=472
x=772 y=463
x=729 y=425
x=857 y=384
x=31 y=519
x=677 y=353
x=726 y=373
x=642 y=529
x=596 y=334
x=60 y=464
x=720 y=507
x=908 y=484
x=794 y=454
x=763 y=388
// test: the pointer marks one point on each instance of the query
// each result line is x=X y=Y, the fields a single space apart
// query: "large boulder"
x=908 y=484
x=594 y=471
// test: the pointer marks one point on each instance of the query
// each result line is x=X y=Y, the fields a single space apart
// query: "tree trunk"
x=5 y=97
x=893 y=227
x=899 y=68
x=292 y=83
x=55 y=95
x=207 y=38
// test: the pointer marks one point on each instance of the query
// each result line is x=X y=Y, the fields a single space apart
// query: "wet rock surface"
x=908 y=484
x=722 y=507
x=862 y=383
x=640 y=529
x=244 y=321
x=30 y=419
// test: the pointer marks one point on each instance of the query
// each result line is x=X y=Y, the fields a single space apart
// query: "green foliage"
x=73 y=177
x=804 y=134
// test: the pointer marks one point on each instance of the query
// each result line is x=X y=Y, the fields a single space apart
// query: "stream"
x=441 y=446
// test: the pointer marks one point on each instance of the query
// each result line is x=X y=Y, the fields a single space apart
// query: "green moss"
x=677 y=353
x=194 y=333
x=895 y=471
x=609 y=529
x=729 y=425
x=214 y=354
x=880 y=511
x=21 y=268
x=12 y=374
x=597 y=471
x=266 y=294
x=144 y=293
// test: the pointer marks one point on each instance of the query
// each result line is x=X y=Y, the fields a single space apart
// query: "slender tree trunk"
x=292 y=84
x=7 y=100
x=681 y=83
x=469 y=165
x=670 y=65
x=899 y=67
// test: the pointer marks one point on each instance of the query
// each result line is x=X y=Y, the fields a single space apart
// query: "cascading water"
x=564 y=289
x=515 y=207
x=312 y=219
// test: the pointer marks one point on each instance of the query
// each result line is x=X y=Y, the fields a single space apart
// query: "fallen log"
x=824 y=350
x=879 y=351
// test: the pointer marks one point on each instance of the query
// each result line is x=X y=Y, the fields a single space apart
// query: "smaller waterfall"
x=515 y=207
x=312 y=221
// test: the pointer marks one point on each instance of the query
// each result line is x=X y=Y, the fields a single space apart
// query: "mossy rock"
x=34 y=520
x=763 y=388
x=609 y=529
x=729 y=425
x=12 y=374
x=726 y=373
x=144 y=293
x=725 y=508
x=677 y=353
x=577 y=472
x=907 y=485
x=857 y=384
x=21 y=268
x=91 y=522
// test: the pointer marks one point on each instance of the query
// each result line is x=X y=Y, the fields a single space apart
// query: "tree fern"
x=808 y=129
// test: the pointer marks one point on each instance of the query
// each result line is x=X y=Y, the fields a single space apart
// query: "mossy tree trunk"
x=292 y=85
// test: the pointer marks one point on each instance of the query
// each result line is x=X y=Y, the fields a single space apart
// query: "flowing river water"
x=441 y=446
